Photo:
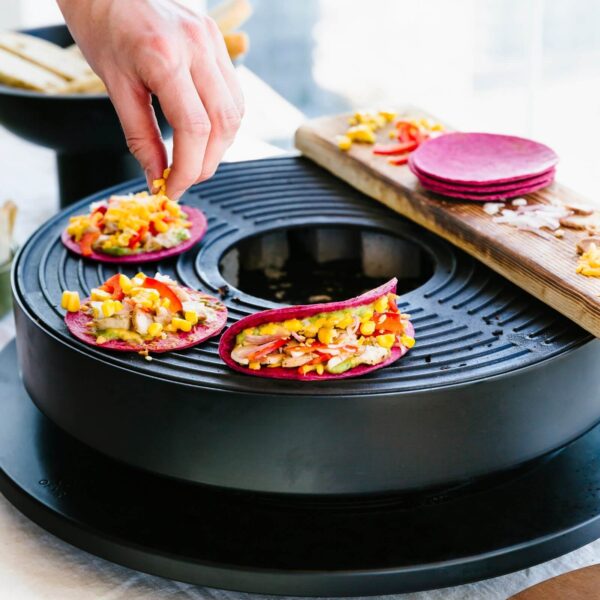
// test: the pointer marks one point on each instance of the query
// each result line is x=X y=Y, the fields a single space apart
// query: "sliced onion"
x=264 y=339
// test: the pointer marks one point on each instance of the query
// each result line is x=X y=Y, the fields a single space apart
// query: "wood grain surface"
x=544 y=268
x=582 y=584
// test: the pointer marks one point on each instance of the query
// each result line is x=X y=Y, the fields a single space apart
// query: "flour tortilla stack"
x=483 y=166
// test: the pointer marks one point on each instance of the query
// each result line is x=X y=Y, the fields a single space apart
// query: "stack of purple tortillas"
x=483 y=166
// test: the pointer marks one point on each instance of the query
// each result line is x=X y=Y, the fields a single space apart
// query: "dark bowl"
x=83 y=129
x=67 y=123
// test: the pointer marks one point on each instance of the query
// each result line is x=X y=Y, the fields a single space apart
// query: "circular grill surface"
x=470 y=323
x=488 y=386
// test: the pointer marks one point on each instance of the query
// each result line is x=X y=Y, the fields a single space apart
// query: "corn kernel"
x=388 y=115
x=155 y=329
x=367 y=328
x=320 y=369
x=407 y=341
x=125 y=283
x=108 y=308
x=367 y=315
x=310 y=330
x=346 y=322
x=173 y=208
x=293 y=325
x=166 y=173
x=99 y=295
x=160 y=225
x=254 y=365
x=181 y=324
x=70 y=301
x=267 y=329
x=381 y=304
x=325 y=335
x=166 y=302
x=306 y=369
x=118 y=306
x=387 y=340
x=100 y=340
x=140 y=275
x=343 y=142
x=191 y=316
x=361 y=133
x=65 y=299
x=332 y=321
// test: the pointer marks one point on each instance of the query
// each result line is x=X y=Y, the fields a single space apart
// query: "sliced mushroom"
x=578 y=222
x=580 y=209
x=116 y=322
x=583 y=245
x=298 y=361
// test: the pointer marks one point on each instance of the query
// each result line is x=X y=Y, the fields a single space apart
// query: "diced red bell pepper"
x=320 y=359
x=267 y=349
x=392 y=323
x=392 y=303
x=408 y=132
x=398 y=161
x=135 y=240
x=101 y=209
x=113 y=287
x=86 y=242
x=395 y=149
x=165 y=292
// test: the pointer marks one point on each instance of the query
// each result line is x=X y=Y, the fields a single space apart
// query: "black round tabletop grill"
x=496 y=378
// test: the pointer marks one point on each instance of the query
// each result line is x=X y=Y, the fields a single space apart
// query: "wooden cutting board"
x=544 y=268
x=583 y=584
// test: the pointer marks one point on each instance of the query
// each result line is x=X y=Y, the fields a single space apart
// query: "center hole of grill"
x=323 y=264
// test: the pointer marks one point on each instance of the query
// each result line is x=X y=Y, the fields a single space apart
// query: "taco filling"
x=327 y=342
x=129 y=225
x=143 y=312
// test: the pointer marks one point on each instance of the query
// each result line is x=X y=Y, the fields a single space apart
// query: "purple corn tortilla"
x=482 y=158
x=197 y=231
x=77 y=324
x=487 y=197
x=485 y=189
x=278 y=315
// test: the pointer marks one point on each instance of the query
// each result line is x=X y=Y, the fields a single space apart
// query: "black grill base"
x=238 y=541
x=496 y=378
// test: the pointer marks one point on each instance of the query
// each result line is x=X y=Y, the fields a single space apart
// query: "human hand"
x=141 y=47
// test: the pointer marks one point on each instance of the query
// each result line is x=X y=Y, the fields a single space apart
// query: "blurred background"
x=529 y=67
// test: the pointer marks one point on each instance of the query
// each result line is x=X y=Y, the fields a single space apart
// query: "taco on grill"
x=136 y=228
x=143 y=314
x=321 y=341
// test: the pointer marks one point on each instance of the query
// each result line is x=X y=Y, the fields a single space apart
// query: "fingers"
x=222 y=111
x=136 y=114
x=185 y=112
x=227 y=69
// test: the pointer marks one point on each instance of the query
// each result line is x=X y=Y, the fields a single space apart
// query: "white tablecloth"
x=34 y=564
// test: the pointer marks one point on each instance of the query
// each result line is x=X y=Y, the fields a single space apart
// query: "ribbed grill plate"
x=470 y=323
